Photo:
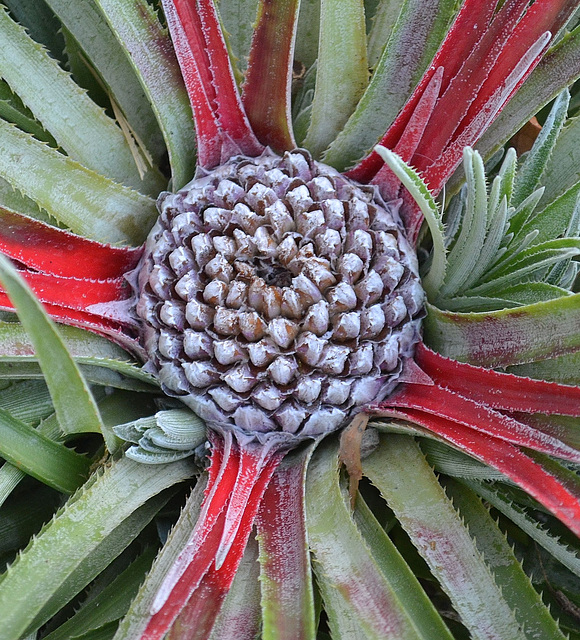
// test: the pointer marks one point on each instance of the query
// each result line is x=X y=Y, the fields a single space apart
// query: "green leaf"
x=12 y=109
x=466 y=252
x=40 y=22
x=38 y=456
x=86 y=134
x=240 y=615
x=342 y=74
x=562 y=170
x=86 y=24
x=308 y=32
x=287 y=597
x=360 y=599
x=414 y=40
x=529 y=609
x=72 y=400
x=506 y=337
x=74 y=195
x=110 y=604
x=445 y=459
x=534 y=529
x=149 y=50
x=383 y=22
x=392 y=563
x=399 y=470
x=555 y=220
x=96 y=524
x=238 y=18
x=530 y=172
x=564 y=369
x=86 y=348
x=525 y=265
x=433 y=281
x=134 y=623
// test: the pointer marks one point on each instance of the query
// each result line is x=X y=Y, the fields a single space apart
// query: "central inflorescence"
x=278 y=297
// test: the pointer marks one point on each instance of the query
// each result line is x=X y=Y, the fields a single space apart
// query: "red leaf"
x=465 y=86
x=222 y=127
x=467 y=29
x=499 y=390
x=266 y=91
x=230 y=506
x=545 y=487
x=51 y=250
x=451 y=406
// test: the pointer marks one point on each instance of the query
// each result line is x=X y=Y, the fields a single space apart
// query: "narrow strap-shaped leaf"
x=72 y=400
x=240 y=614
x=87 y=348
x=530 y=172
x=88 y=203
x=342 y=72
x=428 y=207
x=267 y=91
x=528 y=262
x=529 y=609
x=110 y=604
x=559 y=68
x=92 y=321
x=465 y=87
x=204 y=605
x=420 y=26
x=405 y=148
x=399 y=470
x=285 y=573
x=503 y=391
x=465 y=254
x=106 y=514
x=511 y=336
x=87 y=134
x=134 y=623
x=360 y=600
x=479 y=119
x=425 y=617
x=208 y=563
x=463 y=35
x=75 y=293
x=38 y=456
x=85 y=22
x=238 y=19
x=546 y=487
x=476 y=415
x=564 y=369
x=222 y=127
x=58 y=252
x=150 y=53
x=527 y=524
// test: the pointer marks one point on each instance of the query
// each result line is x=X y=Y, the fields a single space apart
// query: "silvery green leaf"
x=466 y=252
x=433 y=281
x=530 y=172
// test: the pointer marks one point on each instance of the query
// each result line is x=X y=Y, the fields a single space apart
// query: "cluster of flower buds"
x=277 y=296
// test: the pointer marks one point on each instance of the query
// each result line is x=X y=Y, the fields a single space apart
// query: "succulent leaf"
x=404 y=479
x=148 y=48
x=342 y=74
x=106 y=514
x=87 y=135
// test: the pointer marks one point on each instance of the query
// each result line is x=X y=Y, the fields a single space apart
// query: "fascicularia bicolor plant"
x=279 y=298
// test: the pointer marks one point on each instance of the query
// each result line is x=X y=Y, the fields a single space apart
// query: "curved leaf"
x=511 y=336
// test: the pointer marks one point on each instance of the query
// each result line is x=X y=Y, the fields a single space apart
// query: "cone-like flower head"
x=278 y=296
